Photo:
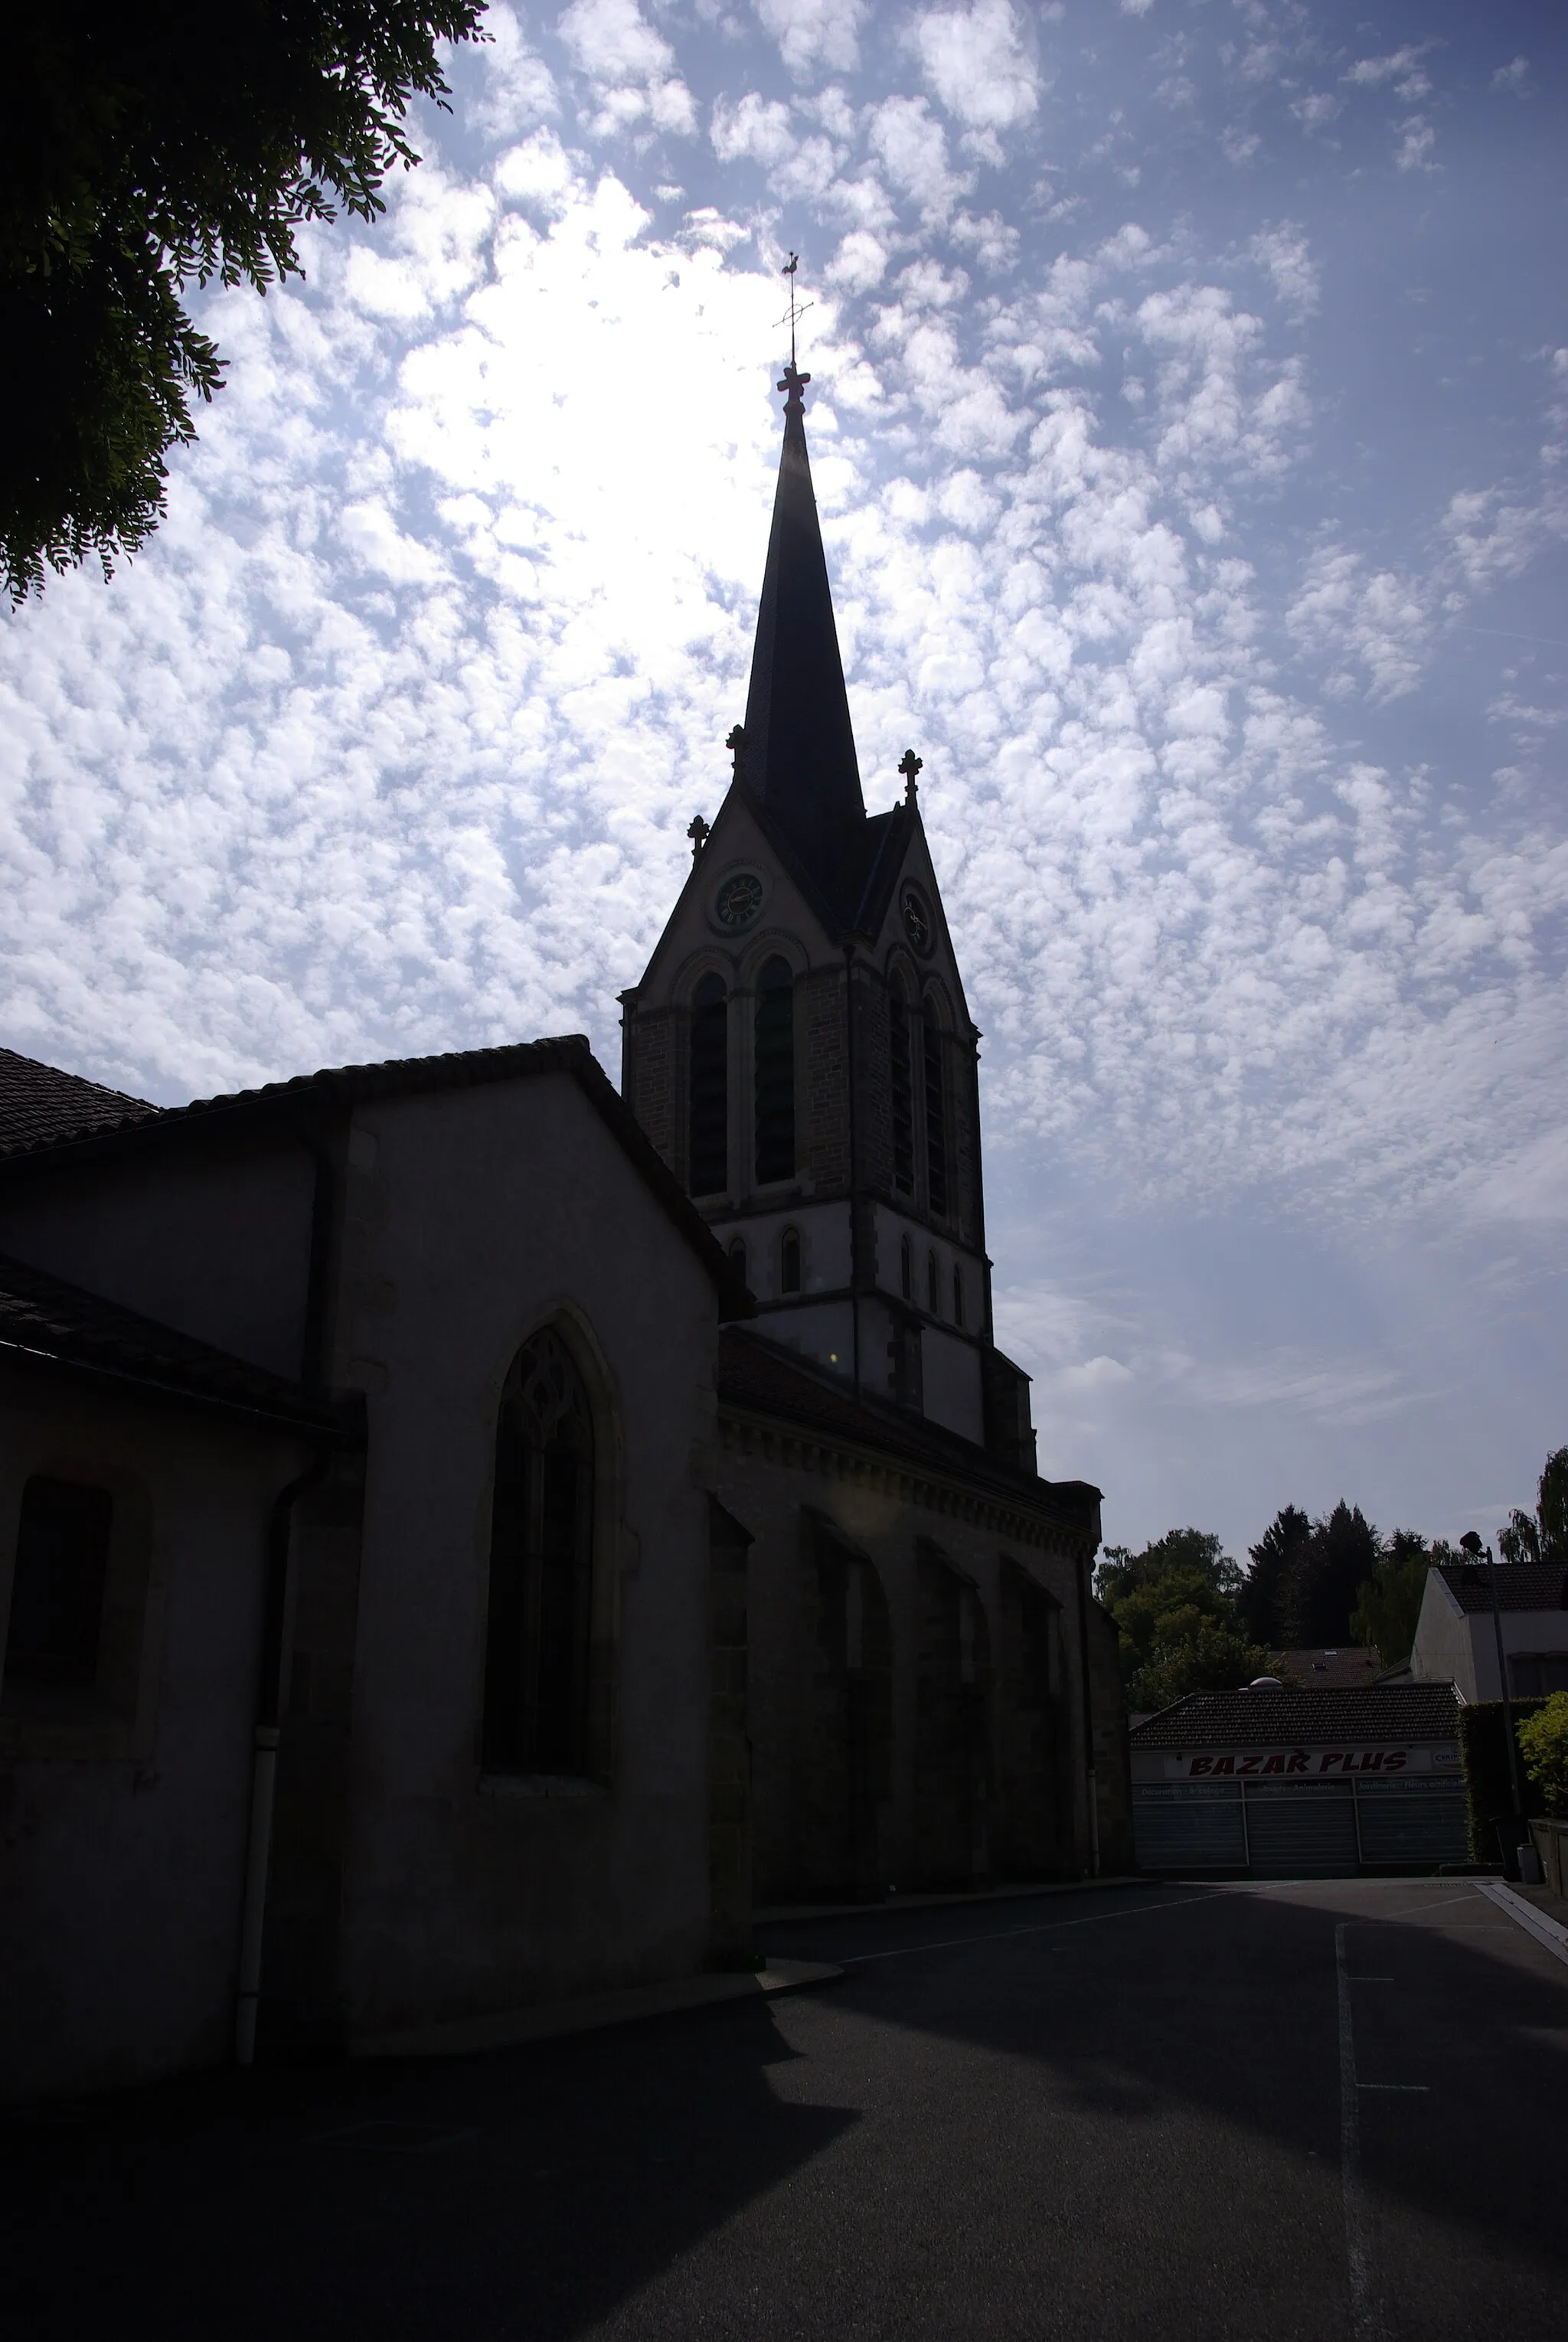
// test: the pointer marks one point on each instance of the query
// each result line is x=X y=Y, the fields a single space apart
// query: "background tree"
x=1273 y=1557
x=1325 y=1579
x=1389 y=1603
x=1541 y=1536
x=1174 y=1606
x=144 y=143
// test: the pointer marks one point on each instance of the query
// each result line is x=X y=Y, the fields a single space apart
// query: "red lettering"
x=1276 y=1764
x=1248 y=1765
x=1201 y=1765
x=1298 y=1763
x=1333 y=1758
x=1394 y=1760
x=1224 y=1764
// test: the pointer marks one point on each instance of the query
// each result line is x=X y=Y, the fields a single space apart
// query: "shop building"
x=1275 y=1782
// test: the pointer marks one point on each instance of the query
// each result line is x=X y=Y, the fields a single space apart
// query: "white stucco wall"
x=1452 y=1645
x=473 y=1217
x=123 y=1834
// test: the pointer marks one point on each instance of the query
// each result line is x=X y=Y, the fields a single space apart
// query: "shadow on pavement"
x=519 y=2194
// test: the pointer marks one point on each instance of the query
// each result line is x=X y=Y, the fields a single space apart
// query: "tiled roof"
x=1520 y=1584
x=1254 y=1719
x=1337 y=1670
x=566 y=1053
x=762 y=1376
x=47 y=1323
x=39 y=1104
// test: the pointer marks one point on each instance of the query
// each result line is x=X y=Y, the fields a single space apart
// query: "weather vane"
x=795 y=312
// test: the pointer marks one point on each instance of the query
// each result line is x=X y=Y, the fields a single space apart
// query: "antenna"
x=796 y=310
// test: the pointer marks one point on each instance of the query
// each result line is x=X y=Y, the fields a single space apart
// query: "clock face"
x=738 y=900
x=917 y=919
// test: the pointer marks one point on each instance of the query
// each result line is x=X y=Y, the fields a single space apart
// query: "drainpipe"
x=264 y=1758
x=853 y=1193
x=275 y=1609
x=1088 y=1721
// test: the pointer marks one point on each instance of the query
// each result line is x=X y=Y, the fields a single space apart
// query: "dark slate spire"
x=800 y=759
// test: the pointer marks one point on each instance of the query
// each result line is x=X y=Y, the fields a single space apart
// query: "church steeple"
x=799 y=760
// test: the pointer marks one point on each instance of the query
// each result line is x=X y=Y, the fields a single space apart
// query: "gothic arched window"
x=957 y=1295
x=933 y=1285
x=738 y=1256
x=789 y=1262
x=906 y=1269
x=935 y=1115
x=539 y=1646
x=710 y=1088
x=902 y=1077
x=775 y=1072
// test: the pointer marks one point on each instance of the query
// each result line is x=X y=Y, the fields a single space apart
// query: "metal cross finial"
x=737 y=745
x=795 y=313
x=909 y=766
x=699 y=833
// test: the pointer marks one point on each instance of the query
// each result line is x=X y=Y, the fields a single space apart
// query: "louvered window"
x=710 y=1088
x=935 y=1116
x=903 y=1081
x=775 y=1065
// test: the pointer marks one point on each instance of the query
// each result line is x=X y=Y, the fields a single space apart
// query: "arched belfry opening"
x=774 y=1072
x=543 y=1704
x=709 y=1089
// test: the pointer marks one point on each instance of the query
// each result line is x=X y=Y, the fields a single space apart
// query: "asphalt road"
x=1325 y=2110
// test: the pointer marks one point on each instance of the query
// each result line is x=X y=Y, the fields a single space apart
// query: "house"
x=1456 y=1631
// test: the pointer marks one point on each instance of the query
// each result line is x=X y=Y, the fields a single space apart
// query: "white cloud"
x=911 y=147
x=1416 y=143
x=630 y=66
x=815 y=34
x=976 y=62
x=1403 y=64
x=1285 y=254
x=1514 y=77
x=756 y=127
x=519 y=89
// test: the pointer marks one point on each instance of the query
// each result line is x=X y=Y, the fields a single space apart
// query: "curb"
x=788 y=1915
x=513 y=2028
x=1546 y=1932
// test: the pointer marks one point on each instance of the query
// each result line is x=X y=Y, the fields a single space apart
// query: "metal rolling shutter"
x=1300 y=1832
x=1412 y=1821
x=1184 y=1828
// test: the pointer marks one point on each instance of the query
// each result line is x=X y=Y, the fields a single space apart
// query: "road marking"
x=1546 y=1932
x=1366 y=2311
x=1000 y=1934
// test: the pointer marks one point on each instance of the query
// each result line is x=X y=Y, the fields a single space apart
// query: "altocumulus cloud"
x=390 y=740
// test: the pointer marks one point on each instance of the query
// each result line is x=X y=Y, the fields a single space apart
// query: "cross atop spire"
x=794 y=314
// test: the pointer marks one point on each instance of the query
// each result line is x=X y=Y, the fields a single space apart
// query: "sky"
x=1189 y=419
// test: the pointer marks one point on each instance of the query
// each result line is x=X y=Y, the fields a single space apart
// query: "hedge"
x=1487 y=1782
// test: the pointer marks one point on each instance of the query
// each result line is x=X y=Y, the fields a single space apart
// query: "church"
x=471 y=1538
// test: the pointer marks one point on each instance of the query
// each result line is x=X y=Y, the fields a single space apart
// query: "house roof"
x=1293 y=1718
x=1520 y=1584
x=49 y=1326
x=40 y=1105
x=152 y=1128
x=1336 y=1670
x=763 y=1377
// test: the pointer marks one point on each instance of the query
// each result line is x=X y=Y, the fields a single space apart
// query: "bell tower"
x=799 y=1048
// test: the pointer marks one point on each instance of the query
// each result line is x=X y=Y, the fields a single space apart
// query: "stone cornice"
x=754 y=1432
